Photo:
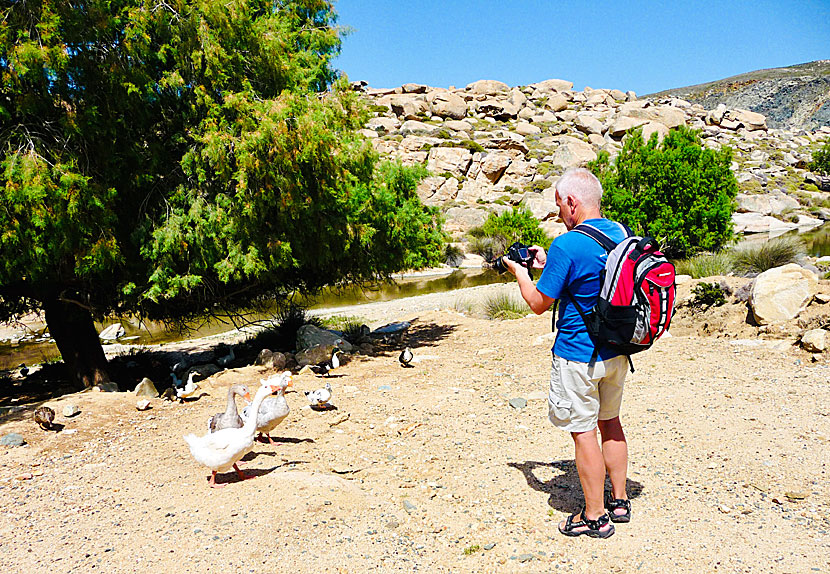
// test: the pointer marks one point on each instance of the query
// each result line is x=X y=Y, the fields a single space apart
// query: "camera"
x=518 y=252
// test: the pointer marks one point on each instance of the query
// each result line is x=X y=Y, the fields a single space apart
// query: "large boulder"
x=556 y=103
x=814 y=340
x=414 y=127
x=488 y=87
x=780 y=294
x=310 y=336
x=113 y=332
x=448 y=105
x=383 y=124
x=750 y=120
x=409 y=107
x=493 y=166
x=553 y=85
x=759 y=223
x=588 y=124
x=773 y=203
x=666 y=115
x=454 y=160
x=623 y=124
x=573 y=153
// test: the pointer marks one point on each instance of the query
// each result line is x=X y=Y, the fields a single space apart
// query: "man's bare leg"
x=615 y=455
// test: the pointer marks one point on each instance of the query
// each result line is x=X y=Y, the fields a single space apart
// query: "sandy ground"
x=430 y=469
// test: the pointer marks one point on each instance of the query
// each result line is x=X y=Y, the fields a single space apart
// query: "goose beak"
x=247 y=397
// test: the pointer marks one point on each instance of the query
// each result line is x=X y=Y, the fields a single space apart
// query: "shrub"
x=705 y=295
x=705 y=265
x=488 y=246
x=453 y=255
x=503 y=306
x=758 y=257
x=821 y=160
x=516 y=225
x=676 y=191
x=538 y=186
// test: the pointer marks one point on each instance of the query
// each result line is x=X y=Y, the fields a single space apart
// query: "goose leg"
x=270 y=440
x=240 y=474
x=212 y=481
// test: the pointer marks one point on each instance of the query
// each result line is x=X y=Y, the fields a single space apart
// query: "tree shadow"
x=417 y=336
x=564 y=490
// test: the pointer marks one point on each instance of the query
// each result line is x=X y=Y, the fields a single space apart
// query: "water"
x=818 y=241
x=150 y=333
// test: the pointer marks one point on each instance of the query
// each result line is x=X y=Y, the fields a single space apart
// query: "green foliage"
x=538 y=186
x=488 y=246
x=705 y=265
x=504 y=306
x=705 y=295
x=678 y=192
x=517 y=224
x=758 y=257
x=472 y=549
x=188 y=158
x=821 y=160
x=453 y=255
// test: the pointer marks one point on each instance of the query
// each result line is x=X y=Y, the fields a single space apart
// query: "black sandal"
x=614 y=504
x=594 y=527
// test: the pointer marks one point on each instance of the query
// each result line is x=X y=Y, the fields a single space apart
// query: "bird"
x=320 y=397
x=405 y=357
x=273 y=409
x=230 y=418
x=188 y=389
x=222 y=449
x=326 y=367
x=44 y=417
x=24 y=370
x=227 y=359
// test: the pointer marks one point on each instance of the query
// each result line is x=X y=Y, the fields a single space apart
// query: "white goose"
x=189 y=389
x=273 y=409
x=220 y=450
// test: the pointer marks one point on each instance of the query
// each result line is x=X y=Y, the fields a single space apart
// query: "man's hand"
x=539 y=256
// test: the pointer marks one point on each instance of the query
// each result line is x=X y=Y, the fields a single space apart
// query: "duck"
x=44 y=417
x=227 y=359
x=326 y=367
x=273 y=409
x=221 y=450
x=406 y=357
x=320 y=397
x=24 y=370
x=230 y=418
x=188 y=389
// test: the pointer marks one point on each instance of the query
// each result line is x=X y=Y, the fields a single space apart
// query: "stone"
x=12 y=439
x=814 y=340
x=271 y=359
x=409 y=507
x=528 y=129
x=623 y=124
x=655 y=128
x=781 y=293
x=112 y=332
x=572 y=153
x=311 y=336
x=750 y=120
x=142 y=404
x=454 y=160
x=553 y=85
x=588 y=124
x=314 y=355
x=448 y=105
x=666 y=115
x=412 y=88
x=391 y=331
x=488 y=87
x=70 y=410
x=414 y=127
x=409 y=107
x=556 y=103
x=517 y=403
x=146 y=388
x=758 y=223
x=383 y=124
x=493 y=165
x=107 y=387
x=459 y=126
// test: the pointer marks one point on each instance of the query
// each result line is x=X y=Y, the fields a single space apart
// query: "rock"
x=107 y=387
x=383 y=124
x=454 y=160
x=459 y=126
x=517 y=403
x=412 y=88
x=758 y=223
x=448 y=105
x=142 y=405
x=572 y=153
x=271 y=359
x=666 y=115
x=409 y=507
x=814 y=340
x=493 y=166
x=524 y=557
x=553 y=85
x=70 y=410
x=537 y=396
x=314 y=355
x=112 y=332
x=488 y=87
x=588 y=124
x=681 y=279
x=750 y=120
x=527 y=129
x=310 y=336
x=12 y=439
x=414 y=127
x=408 y=107
x=489 y=546
x=655 y=128
x=556 y=103
x=623 y=124
x=780 y=294
x=146 y=388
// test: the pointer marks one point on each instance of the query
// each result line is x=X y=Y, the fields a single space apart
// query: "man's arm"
x=538 y=301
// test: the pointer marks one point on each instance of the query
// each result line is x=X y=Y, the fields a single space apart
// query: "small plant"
x=706 y=295
x=471 y=549
x=503 y=306
x=453 y=255
x=488 y=246
x=705 y=265
x=538 y=186
x=757 y=258
x=821 y=160
x=463 y=306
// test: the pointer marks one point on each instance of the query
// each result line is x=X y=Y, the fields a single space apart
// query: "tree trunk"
x=74 y=332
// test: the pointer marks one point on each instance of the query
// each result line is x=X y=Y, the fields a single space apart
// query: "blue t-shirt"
x=575 y=261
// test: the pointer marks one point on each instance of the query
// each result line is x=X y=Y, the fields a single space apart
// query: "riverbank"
x=431 y=469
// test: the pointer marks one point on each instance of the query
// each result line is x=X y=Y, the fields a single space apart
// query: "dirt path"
x=430 y=469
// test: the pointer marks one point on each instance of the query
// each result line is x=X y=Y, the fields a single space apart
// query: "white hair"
x=579 y=183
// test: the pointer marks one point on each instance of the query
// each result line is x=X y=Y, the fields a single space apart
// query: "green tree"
x=176 y=158
x=518 y=224
x=821 y=160
x=676 y=191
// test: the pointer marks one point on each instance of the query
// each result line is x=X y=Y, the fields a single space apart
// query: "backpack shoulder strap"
x=606 y=242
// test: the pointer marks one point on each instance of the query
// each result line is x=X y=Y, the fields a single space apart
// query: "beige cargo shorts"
x=580 y=396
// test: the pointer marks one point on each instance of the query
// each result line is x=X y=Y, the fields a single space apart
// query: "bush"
x=705 y=265
x=706 y=295
x=516 y=225
x=821 y=160
x=453 y=255
x=488 y=246
x=678 y=192
x=758 y=257
x=503 y=306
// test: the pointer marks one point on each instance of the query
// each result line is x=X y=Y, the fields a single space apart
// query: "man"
x=582 y=398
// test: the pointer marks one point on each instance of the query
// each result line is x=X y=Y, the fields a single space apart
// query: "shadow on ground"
x=564 y=491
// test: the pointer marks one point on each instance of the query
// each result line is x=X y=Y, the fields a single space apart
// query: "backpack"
x=636 y=298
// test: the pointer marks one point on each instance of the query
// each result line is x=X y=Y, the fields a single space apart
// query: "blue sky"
x=643 y=46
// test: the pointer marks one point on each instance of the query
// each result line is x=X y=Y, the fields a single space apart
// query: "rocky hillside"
x=490 y=146
x=795 y=97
